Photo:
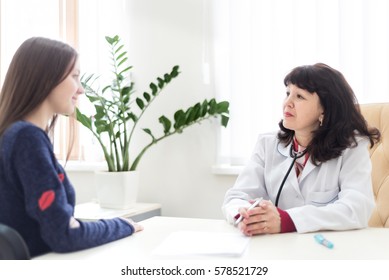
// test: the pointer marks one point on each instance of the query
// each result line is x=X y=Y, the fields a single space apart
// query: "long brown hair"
x=342 y=116
x=37 y=67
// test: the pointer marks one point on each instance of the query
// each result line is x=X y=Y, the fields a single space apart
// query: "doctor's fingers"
x=255 y=228
x=243 y=212
x=257 y=211
x=269 y=209
x=267 y=205
x=259 y=224
x=255 y=219
x=264 y=207
x=264 y=227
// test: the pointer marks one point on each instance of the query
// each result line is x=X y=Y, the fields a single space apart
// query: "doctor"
x=314 y=174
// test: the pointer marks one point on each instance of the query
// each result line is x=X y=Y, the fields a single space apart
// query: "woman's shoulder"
x=360 y=146
x=268 y=137
x=266 y=141
x=23 y=131
x=358 y=142
x=361 y=142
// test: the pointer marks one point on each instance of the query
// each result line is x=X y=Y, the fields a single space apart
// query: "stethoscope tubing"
x=295 y=156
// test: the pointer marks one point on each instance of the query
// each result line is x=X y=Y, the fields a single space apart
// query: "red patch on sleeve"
x=47 y=198
x=61 y=177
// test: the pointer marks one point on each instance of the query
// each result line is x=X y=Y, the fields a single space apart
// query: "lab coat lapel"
x=292 y=178
x=309 y=166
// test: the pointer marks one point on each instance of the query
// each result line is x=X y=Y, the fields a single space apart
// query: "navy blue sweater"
x=37 y=199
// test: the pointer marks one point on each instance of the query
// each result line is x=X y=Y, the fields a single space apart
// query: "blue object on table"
x=321 y=240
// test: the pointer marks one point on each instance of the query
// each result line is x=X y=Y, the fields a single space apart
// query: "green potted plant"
x=118 y=112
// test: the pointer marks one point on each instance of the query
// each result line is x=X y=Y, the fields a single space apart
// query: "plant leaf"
x=154 y=89
x=99 y=112
x=132 y=116
x=167 y=78
x=167 y=124
x=196 y=111
x=204 y=108
x=148 y=131
x=146 y=96
x=105 y=88
x=161 y=83
x=175 y=71
x=125 y=91
x=101 y=126
x=189 y=115
x=140 y=103
x=109 y=40
x=122 y=61
x=125 y=70
x=92 y=98
x=224 y=120
x=115 y=39
x=119 y=48
x=179 y=119
x=83 y=119
x=212 y=107
x=121 y=55
x=222 y=107
x=126 y=99
x=85 y=80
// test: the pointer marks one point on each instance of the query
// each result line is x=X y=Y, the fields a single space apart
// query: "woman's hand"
x=261 y=219
x=137 y=227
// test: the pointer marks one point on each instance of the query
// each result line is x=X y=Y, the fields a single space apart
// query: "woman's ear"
x=321 y=118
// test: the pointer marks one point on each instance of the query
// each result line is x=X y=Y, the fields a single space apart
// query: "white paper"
x=203 y=243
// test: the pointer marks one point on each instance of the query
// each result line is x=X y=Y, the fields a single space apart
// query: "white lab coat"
x=335 y=195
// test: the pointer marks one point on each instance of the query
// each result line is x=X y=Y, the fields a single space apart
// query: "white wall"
x=177 y=172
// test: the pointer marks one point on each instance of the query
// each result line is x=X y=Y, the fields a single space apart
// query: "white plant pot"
x=117 y=190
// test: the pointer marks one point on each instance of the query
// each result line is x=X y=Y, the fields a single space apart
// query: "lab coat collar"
x=285 y=151
x=308 y=169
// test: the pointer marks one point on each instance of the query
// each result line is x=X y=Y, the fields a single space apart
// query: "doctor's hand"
x=260 y=220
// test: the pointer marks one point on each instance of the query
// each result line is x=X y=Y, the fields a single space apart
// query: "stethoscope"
x=295 y=155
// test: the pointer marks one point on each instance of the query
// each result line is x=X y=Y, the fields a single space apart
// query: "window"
x=256 y=43
x=98 y=18
x=47 y=18
x=82 y=24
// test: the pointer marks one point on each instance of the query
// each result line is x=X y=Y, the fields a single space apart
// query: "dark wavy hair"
x=342 y=120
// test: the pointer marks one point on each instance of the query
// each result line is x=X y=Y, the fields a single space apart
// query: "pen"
x=240 y=217
x=321 y=240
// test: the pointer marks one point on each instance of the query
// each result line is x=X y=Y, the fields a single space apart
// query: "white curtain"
x=22 y=19
x=257 y=42
x=98 y=18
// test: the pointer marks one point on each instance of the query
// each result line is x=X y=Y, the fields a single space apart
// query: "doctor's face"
x=302 y=110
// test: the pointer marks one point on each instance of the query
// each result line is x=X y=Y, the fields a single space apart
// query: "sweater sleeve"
x=287 y=224
x=47 y=201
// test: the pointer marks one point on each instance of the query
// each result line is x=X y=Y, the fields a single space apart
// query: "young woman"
x=36 y=197
x=315 y=173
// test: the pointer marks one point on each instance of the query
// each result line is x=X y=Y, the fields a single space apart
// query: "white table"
x=364 y=244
